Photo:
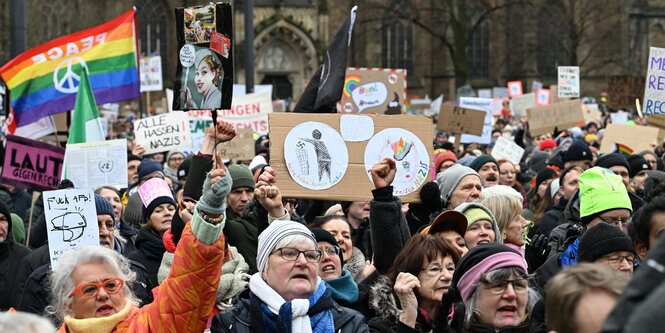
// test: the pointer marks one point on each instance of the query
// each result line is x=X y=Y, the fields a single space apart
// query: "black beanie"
x=481 y=160
x=324 y=236
x=132 y=157
x=578 y=151
x=609 y=160
x=183 y=169
x=637 y=164
x=545 y=174
x=603 y=239
x=147 y=211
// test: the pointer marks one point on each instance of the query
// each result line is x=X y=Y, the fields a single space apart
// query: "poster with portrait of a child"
x=204 y=74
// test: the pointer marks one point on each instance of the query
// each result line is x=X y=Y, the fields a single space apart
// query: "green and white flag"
x=86 y=124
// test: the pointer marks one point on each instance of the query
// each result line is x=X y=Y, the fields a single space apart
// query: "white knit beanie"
x=269 y=238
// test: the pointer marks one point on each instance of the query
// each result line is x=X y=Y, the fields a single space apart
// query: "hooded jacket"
x=551 y=218
x=468 y=205
x=384 y=305
x=11 y=261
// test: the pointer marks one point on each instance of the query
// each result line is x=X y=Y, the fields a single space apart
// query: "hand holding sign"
x=383 y=173
x=223 y=132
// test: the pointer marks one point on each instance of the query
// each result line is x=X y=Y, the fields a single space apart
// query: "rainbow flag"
x=44 y=80
x=622 y=149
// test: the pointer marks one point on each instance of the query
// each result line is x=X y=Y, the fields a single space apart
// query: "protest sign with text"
x=637 y=138
x=153 y=189
x=460 y=120
x=508 y=150
x=31 y=164
x=163 y=132
x=151 y=73
x=249 y=111
x=240 y=148
x=98 y=163
x=374 y=90
x=569 y=81
x=564 y=115
x=482 y=104
x=654 y=89
x=519 y=104
x=71 y=221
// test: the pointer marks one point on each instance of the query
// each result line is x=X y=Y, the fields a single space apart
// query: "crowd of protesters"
x=566 y=240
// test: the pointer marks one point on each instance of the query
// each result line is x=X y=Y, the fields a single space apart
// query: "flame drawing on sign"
x=72 y=225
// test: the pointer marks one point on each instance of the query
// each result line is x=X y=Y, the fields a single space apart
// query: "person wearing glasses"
x=91 y=286
x=490 y=292
x=610 y=246
x=173 y=161
x=339 y=280
x=407 y=298
x=286 y=294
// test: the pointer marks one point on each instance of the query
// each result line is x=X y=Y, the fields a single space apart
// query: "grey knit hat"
x=133 y=213
x=449 y=179
x=274 y=233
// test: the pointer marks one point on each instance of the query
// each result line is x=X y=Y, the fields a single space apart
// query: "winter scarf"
x=270 y=310
x=343 y=288
x=150 y=244
x=97 y=325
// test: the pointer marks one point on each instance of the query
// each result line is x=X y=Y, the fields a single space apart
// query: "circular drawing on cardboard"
x=409 y=153
x=315 y=155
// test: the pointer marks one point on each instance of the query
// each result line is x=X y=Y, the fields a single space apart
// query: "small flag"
x=86 y=124
x=622 y=149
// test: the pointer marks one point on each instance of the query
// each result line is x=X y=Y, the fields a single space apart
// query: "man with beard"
x=488 y=169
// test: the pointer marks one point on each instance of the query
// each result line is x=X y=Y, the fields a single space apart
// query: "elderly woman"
x=286 y=294
x=506 y=205
x=491 y=290
x=344 y=290
x=408 y=298
x=91 y=290
x=352 y=258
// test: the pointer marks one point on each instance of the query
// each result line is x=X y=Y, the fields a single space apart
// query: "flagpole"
x=57 y=140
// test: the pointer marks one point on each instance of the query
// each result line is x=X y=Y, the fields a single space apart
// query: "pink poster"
x=154 y=188
x=31 y=164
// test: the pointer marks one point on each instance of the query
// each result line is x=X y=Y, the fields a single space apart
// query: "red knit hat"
x=447 y=155
x=547 y=143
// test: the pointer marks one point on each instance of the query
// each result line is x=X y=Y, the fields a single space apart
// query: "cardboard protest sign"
x=71 y=221
x=508 y=150
x=569 y=81
x=31 y=164
x=591 y=113
x=97 y=163
x=461 y=120
x=544 y=119
x=654 y=89
x=658 y=120
x=163 y=132
x=515 y=88
x=199 y=121
x=374 y=90
x=312 y=160
x=204 y=76
x=637 y=138
x=623 y=90
x=519 y=104
x=543 y=97
x=483 y=104
x=240 y=148
x=151 y=73
x=152 y=189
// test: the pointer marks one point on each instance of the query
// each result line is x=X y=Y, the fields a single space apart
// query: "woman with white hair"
x=91 y=291
x=286 y=294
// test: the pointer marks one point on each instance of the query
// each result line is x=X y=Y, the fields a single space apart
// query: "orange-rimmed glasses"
x=90 y=290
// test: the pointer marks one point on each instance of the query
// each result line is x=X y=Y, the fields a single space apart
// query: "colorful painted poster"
x=71 y=221
x=164 y=132
x=31 y=164
x=410 y=156
x=151 y=73
x=569 y=81
x=374 y=90
x=204 y=75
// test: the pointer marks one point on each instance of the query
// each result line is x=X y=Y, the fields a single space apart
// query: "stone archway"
x=285 y=52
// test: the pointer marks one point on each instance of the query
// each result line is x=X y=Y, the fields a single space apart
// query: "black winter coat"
x=239 y=320
x=149 y=253
x=11 y=262
x=553 y=217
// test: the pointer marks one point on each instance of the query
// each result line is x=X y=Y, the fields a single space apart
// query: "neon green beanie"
x=602 y=190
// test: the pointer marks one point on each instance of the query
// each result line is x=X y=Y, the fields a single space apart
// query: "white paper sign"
x=435 y=106
x=569 y=81
x=356 y=128
x=71 y=221
x=151 y=73
x=482 y=104
x=485 y=93
x=163 y=132
x=619 y=117
x=508 y=150
x=97 y=163
x=654 y=87
x=519 y=104
x=38 y=129
x=535 y=85
x=500 y=92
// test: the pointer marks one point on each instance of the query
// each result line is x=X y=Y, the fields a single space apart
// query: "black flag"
x=325 y=87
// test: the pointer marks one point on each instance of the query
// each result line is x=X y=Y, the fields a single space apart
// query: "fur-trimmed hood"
x=383 y=301
x=356 y=265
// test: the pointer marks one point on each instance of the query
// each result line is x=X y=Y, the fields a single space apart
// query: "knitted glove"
x=213 y=200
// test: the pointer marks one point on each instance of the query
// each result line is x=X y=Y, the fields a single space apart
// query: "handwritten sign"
x=163 y=132
x=521 y=103
x=569 y=81
x=152 y=189
x=654 y=89
x=482 y=104
x=241 y=148
x=461 y=120
x=622 y=90
x=374 y=90
x=97 y=163
x=544 y=119
x=508 y=150
x=638 y=138
x=515 y=88
x=249 y=111
x=32 y=164
x=543 y=97
x=71 y=221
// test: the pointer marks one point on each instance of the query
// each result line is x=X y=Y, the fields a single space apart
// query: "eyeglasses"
x=90 y=290
x=520 y=286
x=615 y=221
x=176 y=159
x=434 y=271
x=332 y=251
x=110 y=225
x=291 y=254
x=617 y=259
